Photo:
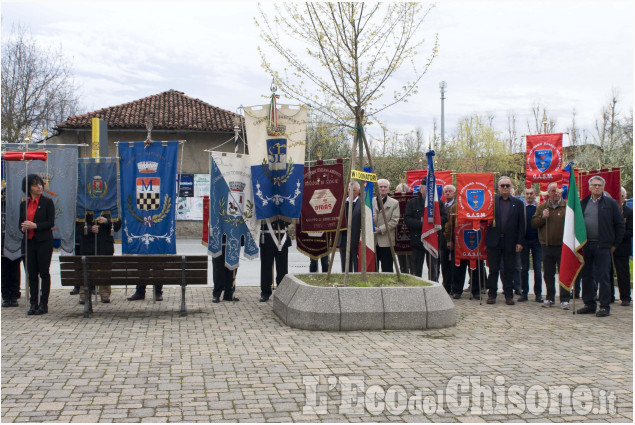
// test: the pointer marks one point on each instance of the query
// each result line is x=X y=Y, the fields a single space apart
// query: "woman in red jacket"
x=37 y=218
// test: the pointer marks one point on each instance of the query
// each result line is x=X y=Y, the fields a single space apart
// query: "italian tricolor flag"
x=369 y=228
x=574 y=238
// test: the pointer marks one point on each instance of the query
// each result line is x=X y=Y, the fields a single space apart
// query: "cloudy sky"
x=497 y=57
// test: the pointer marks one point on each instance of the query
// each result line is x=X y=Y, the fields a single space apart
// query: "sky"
x=497 y=57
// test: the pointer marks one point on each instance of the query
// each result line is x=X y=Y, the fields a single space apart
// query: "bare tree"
x=37 y=87
x=512 y=135
x=539 y=115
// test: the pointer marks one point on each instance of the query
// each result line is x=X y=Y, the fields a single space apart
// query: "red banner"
x=322 y=197
x=475 y=196
x=313 y=245
x=564 y=184
x=469 y=244
x=442 y=178
x=402 y=233
x=612 y=186
x=25 y=156
x=544 y=158
x=205 y=239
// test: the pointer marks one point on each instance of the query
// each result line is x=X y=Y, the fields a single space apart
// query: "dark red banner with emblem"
x=322 y=197
x=442 y=178
x=612 y=186
x=475 y=197
x=469 y=244
x=544 y=158
x=402 y=233
x=313 y=245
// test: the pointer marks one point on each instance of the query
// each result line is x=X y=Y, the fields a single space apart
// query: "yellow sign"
x=361 y=175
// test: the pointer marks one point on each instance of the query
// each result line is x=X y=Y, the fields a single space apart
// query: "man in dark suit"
x=355 y=231
x=505 y=237
x=623 y=252
x=604 y=231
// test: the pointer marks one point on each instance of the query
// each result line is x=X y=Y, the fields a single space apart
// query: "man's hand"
x=519 y=247
x=613 y=248
x=545 y=213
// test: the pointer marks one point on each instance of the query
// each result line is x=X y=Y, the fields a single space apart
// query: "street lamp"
x=544 y=121
x=442 y=86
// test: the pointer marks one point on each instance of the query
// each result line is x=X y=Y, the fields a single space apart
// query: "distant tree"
x=537 y=123
x=37 y=87
x=478 y=147
x=326 y=140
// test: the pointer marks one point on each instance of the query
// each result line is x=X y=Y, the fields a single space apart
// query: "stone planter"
x=303 y=306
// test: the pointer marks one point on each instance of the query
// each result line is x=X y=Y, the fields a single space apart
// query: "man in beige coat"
x=382 y=230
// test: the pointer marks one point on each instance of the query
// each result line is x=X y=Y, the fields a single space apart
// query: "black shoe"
x=264 y=298
x=586 y=310
x=136 y=296
x=32 y=310
x=475 y=296
x=5 y=303
x=456 y=296
x=231 y=299
x=159 y=297
x=602 y=313
x=42 y=309
x=491 y=300
x=82 y=302
x=75 y=291
x=517 y=292
x=14 y=303
x=539 y=299
x=215 y=299
x=509 y=301
x=522 y=299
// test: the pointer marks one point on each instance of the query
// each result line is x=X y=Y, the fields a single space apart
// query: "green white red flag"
x=573 y=238
x=369 y=228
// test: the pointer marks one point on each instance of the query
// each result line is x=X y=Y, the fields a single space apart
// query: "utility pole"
x=442 y=86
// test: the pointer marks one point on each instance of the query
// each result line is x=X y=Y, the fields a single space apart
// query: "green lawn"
x=355 y=280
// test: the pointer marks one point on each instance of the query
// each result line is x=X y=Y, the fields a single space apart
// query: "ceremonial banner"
x=402 y=233
x=610 y=175
x=148 y=196
x=276 y=136
x=475 y=197
x=431 y=223
x=442 y=178
x=469 y=244
x=205 y=238
x=322 y=197
x=231 y=209
x=97 y=187
x=368 y=227
x=544 y=158
x=59 y=173
x=313 y=244
x=565 y=179
x=573 y=238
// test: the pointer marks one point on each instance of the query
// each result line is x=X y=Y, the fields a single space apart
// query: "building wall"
x=194 y=158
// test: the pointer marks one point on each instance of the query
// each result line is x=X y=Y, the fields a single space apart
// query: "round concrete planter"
x=303 y=306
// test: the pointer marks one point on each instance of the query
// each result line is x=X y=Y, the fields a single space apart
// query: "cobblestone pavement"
x=141 y=362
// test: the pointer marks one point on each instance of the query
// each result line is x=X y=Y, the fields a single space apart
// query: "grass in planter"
x=373 y=280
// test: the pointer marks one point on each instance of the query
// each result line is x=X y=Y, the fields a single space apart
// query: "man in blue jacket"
x=505 y=237
x=604 y=231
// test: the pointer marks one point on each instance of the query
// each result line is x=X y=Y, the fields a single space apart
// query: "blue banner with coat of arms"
x=97 y=186
x=148 y=173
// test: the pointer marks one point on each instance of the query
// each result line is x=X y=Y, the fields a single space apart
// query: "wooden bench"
x=116 y=270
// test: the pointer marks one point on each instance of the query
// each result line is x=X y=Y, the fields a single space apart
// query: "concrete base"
x=303 y=306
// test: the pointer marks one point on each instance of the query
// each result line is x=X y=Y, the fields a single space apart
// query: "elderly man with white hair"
x=605 y=230
x=382 y=228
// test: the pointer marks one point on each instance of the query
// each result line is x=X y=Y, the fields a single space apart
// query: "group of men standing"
x=521 y=234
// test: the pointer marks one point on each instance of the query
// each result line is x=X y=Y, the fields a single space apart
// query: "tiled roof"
x=171 y=110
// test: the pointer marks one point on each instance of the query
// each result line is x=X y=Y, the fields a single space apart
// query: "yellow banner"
x=361 y=175
x=95 y=133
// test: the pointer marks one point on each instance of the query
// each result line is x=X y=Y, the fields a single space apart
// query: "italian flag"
x=574 y=238
x=368 y=227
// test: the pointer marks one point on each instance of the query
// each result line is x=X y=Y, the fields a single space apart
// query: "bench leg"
x=88 y=300
x=183 y=312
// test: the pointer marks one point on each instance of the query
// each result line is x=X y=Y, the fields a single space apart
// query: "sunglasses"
x=505 y=185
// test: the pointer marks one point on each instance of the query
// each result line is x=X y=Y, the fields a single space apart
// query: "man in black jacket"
x=605 y=230
x=413 y=217
x=623 y=252
x=505 y=237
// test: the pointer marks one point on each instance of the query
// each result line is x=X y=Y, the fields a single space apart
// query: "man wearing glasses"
x=605 y=230
x=505 y=237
